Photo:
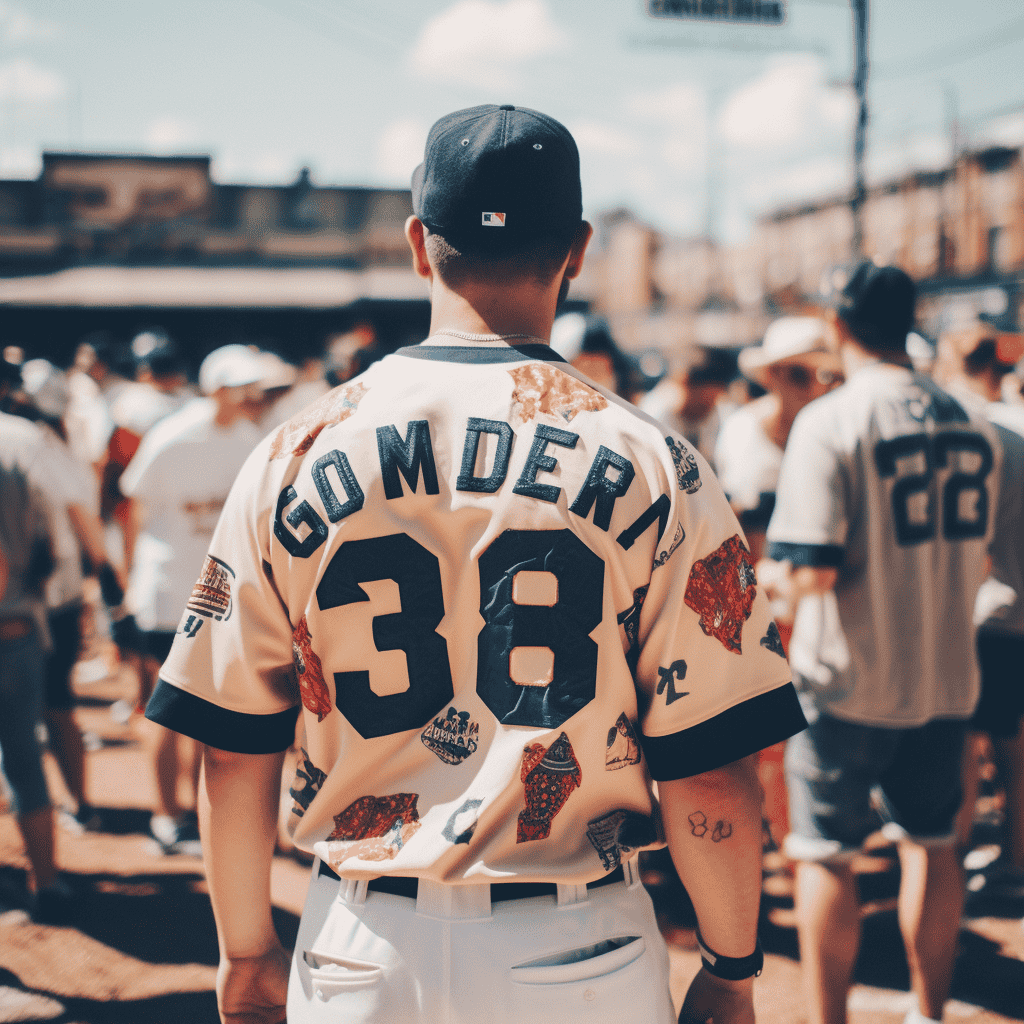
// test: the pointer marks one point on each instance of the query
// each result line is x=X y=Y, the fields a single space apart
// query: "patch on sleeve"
x=211 y=596
x=665 y=555
x=315 y=695
x=296 y=437
x=687 y=472
x=773 y=641
x=667 y=681
x=721 y=590
x=618 y=834
x=622 y=748
x=308 y=780
x=377 y=826
x=630 y=622
x=549 y=776
x=541 y=387
x=453 y=738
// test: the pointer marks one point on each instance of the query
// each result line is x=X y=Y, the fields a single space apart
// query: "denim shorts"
x=847 y=780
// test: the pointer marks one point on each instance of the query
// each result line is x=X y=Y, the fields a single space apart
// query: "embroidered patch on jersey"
x=665 y=555
x=773 y=641
x=378 y=826
x=549 y=776
x=667 y=681
x=211 y=596
x=308 y=780
x=622 y=748
x=630 y=622
x=315 y=695
x=453 y=738
x=721 y=591
x=687 y=472
x=296 y=437
x=492 y=220
x=618 y=834
x=540 y=387
x=465 y=819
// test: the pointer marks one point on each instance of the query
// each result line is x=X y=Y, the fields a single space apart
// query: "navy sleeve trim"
x=240 y=733
x=744 y=729
x=823 y=556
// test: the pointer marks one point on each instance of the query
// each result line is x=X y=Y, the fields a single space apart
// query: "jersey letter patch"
x=721 y=591
x=667 y=681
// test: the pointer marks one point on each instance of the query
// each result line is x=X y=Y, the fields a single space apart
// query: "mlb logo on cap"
x=493 y=220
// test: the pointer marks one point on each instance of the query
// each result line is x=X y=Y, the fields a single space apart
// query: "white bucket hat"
x=790 y=337
x=46 y=386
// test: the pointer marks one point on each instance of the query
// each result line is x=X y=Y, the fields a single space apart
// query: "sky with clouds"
x=673 y=118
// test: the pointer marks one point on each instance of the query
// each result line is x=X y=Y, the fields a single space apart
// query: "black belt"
x=404 y=885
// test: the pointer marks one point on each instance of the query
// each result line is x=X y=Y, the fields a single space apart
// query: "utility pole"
x=860 y=84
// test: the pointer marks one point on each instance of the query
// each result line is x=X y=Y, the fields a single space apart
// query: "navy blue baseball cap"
x=498 y=178
x=876 y=303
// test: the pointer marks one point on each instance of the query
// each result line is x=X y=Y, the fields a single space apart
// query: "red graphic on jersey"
x=378 y=825
x=315 y=695
x=296 y=437
x=721 y=591
x=550 y=776
x=211 y=595
x=541 y=387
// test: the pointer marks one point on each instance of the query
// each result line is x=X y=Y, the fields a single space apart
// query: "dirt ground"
x=143 y=948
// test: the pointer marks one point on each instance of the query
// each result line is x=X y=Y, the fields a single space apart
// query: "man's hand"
x=717 y=1000
x=253 y=990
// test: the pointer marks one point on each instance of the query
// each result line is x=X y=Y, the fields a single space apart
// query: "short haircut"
x=874 y=339
x=539 y=261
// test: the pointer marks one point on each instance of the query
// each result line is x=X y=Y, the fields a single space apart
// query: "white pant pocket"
x=331 y=975
x=581 y=964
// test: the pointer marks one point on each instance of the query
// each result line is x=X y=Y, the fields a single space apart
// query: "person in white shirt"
x=177 y=484
x=794 y=366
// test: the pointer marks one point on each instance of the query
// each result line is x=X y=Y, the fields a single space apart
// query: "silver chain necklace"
x=465 y=336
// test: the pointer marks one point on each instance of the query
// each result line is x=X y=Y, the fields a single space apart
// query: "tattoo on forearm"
x=699 y=827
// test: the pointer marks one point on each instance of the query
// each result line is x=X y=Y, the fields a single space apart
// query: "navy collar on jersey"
x=479 y=354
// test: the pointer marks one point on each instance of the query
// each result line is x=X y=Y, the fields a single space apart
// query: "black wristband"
x=731 y=968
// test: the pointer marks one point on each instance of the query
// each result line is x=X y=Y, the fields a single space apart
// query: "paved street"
x=143 y=948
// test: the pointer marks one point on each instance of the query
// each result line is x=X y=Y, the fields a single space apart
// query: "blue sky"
x=350 y=88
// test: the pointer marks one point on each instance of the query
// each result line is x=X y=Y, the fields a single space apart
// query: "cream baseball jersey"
x=892 y=482
x=505 y=601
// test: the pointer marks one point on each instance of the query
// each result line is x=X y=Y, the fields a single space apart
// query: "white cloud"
x=22 y=80
x=603 y=139
x=484 y=42
x=18 y=26
x=790 y=102
x=20 y=162
x=170 y=133
x=681 y=104
x=400 y=150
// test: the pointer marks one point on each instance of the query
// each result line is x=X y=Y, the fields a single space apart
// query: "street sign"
x=745 y=12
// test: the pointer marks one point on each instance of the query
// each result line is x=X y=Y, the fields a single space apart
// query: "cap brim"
x=754 y=361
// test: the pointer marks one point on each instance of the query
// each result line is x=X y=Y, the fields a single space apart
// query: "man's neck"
x=524 y=312
x=855 y=357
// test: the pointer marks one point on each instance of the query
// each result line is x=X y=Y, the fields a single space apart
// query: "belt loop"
x=568 y=895
x=631 y=871
x=353 y=890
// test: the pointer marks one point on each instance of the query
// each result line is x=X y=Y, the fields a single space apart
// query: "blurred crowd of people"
x=113 y=473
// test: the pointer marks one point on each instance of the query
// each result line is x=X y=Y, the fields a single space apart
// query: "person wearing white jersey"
x=884 y=514
x=972 y=363
x=177 y=484
x=505 y=602
x=793 y=365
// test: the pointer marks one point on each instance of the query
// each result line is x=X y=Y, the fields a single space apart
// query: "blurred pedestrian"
x=26 y=548
x=176 y=485
x=586 y=342
x=691 y=399
x=972 y=363
x=795 y=367
x=883 y=519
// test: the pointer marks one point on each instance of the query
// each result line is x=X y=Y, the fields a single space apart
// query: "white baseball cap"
x=46 y=386
x=231 y=366
x=789 y=337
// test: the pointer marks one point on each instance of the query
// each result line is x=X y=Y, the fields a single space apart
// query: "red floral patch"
x=721 y=590
x=540 y=387
x=315 y=695
x=377 y=826
x=550 y=776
